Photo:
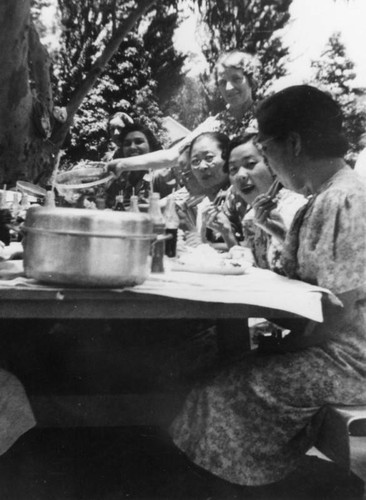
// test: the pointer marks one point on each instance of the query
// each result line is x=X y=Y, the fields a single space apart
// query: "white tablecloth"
x=256 y=287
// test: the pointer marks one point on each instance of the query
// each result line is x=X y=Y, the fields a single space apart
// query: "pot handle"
x=161 y=237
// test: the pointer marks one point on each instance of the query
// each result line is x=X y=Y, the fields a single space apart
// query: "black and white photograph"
x=182 y=250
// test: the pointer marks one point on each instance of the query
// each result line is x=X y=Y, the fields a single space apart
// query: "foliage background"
x=148 y=78
x=334 y=72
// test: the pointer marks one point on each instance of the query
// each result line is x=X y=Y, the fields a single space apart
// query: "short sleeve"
x=332 y=249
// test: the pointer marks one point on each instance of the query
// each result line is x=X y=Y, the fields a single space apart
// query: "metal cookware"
x=78 y=247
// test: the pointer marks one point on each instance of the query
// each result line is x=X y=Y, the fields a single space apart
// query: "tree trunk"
x=30 y=136
x=61 y=130
x=15 y=94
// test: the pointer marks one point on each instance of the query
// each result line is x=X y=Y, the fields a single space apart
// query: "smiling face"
x=248 y=172
x=184 y=175
x=135 y=143
x=234 y=86
x=207 y=163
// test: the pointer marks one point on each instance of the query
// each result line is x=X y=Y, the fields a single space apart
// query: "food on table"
x=205 y=259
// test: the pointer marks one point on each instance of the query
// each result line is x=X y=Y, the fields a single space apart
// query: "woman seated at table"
x=251 y=423
x=236 y=74
x=250 y=176
x=131 y=139
x=186 y=198
x=208 y=158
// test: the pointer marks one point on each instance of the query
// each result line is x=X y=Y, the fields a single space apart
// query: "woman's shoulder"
x=345 y=189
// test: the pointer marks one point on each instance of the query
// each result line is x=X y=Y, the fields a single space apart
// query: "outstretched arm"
x=164 y=158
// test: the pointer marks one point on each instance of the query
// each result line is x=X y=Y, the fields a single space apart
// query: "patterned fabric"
x=266 y=249
x=235 y=209
x=16 y=416
x=251 y=423
x=232 y=127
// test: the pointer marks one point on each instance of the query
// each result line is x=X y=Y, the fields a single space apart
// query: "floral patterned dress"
x=251 y=423
x=233 y=127
x=267 y=250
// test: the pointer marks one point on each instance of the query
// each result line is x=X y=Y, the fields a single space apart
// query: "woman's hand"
x=267 y=218
x=215 y=219
x=209 y=215
x=186 y=216
x=116 y=167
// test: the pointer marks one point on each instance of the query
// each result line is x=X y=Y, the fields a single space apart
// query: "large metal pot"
x=78 y=247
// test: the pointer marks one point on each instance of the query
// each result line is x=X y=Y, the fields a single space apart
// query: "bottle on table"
x=100 y=202
x=158 y=247
x=5 y=219
x=134 y=207
x=50 y=199
x=119 y=205
x=171 y=227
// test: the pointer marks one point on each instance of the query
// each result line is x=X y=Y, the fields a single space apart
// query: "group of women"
x=251 y=422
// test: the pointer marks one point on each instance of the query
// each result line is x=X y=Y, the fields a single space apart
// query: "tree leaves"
x=334 y=71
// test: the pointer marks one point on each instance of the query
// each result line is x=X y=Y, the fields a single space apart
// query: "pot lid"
x=79 y=221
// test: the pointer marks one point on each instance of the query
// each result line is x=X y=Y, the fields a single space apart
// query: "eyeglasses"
x=196 y=162
x=261 y=145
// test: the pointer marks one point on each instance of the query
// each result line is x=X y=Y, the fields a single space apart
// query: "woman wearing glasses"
x=250 y=177
x=236 y=74
x=209 y=154
x=252 y=423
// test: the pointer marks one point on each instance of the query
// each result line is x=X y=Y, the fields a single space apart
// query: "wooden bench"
x=342 y=438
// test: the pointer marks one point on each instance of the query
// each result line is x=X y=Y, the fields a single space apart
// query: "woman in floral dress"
x=250 y=176
x=252 y=422
x=237 y=76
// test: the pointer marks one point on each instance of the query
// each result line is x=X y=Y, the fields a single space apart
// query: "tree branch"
x=99 y=65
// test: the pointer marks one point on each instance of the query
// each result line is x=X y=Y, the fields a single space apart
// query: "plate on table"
x=209 y=269
x=204 y=259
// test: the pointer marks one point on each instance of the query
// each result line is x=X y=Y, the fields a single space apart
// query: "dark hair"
x=136 y=127
x=240 y=60
x=238 y=141
x=221 y=139
x=310 y=112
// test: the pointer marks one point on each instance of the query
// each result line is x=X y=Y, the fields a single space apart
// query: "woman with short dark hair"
x=132 y=139
x=252 y=422
x=236 y=75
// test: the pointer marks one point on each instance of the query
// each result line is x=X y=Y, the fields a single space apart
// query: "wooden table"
x=98 y=304
x=45 y=304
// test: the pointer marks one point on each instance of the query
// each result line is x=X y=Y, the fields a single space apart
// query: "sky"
x=312 y=22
